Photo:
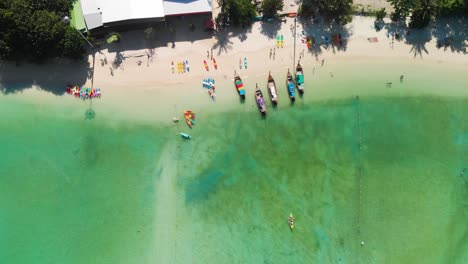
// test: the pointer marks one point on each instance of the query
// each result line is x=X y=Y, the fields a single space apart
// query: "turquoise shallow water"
x=386 y=170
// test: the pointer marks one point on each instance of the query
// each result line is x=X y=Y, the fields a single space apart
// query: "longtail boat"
x=300 y=78
x=272 y=89
x=239 y=85
x=291 y=86
x=260 y=101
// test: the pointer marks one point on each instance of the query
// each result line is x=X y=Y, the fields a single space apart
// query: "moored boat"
x=260 y=100
x=291 y=221
x=300 y=78
x=291 y=87
x=239 y=85
x=272 y=89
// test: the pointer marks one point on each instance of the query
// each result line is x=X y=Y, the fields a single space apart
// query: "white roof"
x=120 y=10
x=178 y=7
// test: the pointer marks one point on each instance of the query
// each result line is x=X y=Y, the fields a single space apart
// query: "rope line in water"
x=359 y=168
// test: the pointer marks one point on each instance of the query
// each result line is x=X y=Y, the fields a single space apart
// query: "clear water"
x=385 y=169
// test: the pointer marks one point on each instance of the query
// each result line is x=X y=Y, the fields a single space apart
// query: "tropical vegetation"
x=237 y=12
x=34 y=30
x=270 y=8
x=423 y=11
x=332 y=10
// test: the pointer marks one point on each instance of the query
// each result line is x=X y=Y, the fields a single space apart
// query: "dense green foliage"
x=380 y=14
x=333 y=10
x=271 y=7
x=237 y=12
x=423 y=11
x=33 y=29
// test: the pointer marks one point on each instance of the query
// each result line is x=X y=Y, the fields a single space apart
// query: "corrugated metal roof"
x=178 y=7
x=101 y=12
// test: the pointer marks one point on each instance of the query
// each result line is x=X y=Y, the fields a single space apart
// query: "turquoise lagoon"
x=386 y=169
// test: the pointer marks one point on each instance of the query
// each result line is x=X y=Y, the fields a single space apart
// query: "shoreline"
x=152 y=92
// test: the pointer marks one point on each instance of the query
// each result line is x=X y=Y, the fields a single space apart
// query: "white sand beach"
x=123 y=71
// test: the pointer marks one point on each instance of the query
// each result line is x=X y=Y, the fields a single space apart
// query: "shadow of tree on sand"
x=323 y=33
x=223 y=37
x=417 y=40
x=449 y=33
x=53 y=78
x=270 y=28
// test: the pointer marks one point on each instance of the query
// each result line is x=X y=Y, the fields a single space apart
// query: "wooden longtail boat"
x=239 y=85
x=291 y=86
x=300 y=78
x=271 y=86
x=260 y=100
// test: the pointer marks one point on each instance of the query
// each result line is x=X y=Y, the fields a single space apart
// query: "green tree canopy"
x=238 y=12
x=423 y=11
x=33 y=29
x=333 y=10
x=270 y=8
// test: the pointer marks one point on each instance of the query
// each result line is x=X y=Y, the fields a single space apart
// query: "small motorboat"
x=291 y=221
x=260 y=101
x=185 y=135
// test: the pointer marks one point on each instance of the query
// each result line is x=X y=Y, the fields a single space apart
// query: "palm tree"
x=423 y=13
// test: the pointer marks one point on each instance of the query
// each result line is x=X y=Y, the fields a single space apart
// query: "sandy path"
x=165 y=222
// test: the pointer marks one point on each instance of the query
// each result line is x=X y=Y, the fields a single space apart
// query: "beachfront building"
x=101 y=14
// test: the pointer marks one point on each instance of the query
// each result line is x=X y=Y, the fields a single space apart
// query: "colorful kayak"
x=282 y=41
x=215 y=64
x=206 y=65
x=245 y=62
x=189 y=118
x=185 y=135
x=278 y=41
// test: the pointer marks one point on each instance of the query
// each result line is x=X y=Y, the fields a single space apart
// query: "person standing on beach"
x=323 y=62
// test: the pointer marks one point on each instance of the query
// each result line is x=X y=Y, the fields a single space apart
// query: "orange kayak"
x=215 y=64
x=206 y=65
